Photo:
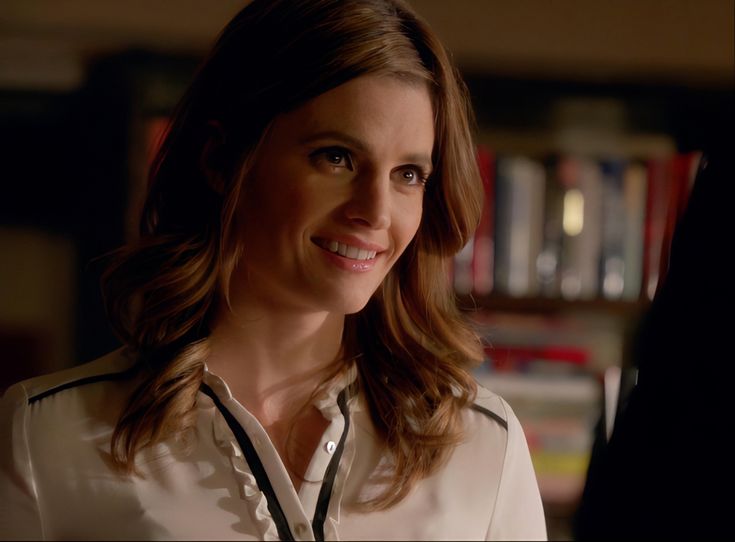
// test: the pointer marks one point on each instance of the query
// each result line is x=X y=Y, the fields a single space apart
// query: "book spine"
x=657 y=208
x=612 y=260
x=634 y=197
x=484 y=251
x=523 y=190
x=582 y=180
x=502 y=227
x=548 y=264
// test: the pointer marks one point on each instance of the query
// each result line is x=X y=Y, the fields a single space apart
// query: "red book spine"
x=483 y=253
x=512 y=357
x=658 y=202
x=681 y=173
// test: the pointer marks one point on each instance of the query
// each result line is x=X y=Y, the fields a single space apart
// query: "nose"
x=370 y=201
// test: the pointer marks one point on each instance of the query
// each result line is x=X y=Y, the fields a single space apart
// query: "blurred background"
x=591 y=116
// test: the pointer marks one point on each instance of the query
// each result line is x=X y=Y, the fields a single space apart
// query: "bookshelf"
x=552 y=352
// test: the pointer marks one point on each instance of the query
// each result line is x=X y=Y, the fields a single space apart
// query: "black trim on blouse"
x=256 y=466
x=261 y=477
x=325 y=493
x=490 y=414
x=82 y=382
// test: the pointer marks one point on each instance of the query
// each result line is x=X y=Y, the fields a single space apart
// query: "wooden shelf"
x=541 y=305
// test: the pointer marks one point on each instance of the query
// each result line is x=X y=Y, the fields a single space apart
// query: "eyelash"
x=330 y=152
x=421 y=176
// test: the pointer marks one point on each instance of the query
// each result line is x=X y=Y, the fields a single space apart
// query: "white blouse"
x=56 y=482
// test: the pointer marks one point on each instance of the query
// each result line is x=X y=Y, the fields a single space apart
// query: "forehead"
x=379 y=111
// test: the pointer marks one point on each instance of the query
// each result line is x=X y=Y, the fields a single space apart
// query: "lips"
x=346 y=250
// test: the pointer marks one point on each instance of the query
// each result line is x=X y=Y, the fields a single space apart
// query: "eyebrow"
x=420 y=159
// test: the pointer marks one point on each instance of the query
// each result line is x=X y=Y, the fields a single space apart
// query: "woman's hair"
x=412 y=346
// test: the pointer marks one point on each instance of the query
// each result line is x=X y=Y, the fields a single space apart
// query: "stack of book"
x=548 y=369
x=573 y=226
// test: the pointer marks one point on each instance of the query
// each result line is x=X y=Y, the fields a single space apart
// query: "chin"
x=353 y=307
x=348 y=304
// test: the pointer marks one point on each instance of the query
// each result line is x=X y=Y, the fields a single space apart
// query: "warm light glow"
x=573 y=219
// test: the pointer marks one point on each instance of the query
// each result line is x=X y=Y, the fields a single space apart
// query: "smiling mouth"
x=346 y=251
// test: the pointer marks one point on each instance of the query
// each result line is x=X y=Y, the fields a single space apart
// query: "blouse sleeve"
x=519 y=513
x=20 y=517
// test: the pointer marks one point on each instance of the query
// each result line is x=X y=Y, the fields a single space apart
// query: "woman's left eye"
x=413 y=176
x=335 y=158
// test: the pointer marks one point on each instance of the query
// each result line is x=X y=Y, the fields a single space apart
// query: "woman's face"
x=335 y=196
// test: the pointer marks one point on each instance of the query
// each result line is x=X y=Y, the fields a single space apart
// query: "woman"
x=294 y=364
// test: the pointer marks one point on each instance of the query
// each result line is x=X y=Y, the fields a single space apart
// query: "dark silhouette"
x=666 y=471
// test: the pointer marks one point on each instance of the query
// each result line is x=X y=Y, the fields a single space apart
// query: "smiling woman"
x=294 y=365
x=335 y=181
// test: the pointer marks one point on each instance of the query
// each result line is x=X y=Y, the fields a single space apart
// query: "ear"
x=212 y=159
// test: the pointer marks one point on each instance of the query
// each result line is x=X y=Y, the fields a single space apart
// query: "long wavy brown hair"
x=415 y=347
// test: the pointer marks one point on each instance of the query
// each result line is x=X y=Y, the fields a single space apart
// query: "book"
x=558 y=417
x=483 y=253
x=547 y=359
x=622 y=221
x=520 y=185
x=613 y=222
x=661 y=197
x=683 y=171
x=634 y=201
x=582 y=182
x=548 y=263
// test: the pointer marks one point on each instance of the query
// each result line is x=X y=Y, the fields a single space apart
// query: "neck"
x=272 y=361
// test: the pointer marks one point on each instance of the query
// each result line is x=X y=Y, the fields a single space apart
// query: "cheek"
x=407 y=223
x=279 y=207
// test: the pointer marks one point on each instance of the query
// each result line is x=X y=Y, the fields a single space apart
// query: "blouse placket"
x=313 y=512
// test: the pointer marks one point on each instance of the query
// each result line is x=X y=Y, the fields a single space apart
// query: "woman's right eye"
x=334 y=157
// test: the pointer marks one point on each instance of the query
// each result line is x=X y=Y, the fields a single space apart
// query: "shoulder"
x=491 y=425
x=54 y=434
x=86 y=391
x=497 y=438
x=492 y=407
x=112 y=366
x=63 y=416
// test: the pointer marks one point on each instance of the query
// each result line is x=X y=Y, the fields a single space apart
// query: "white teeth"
x=348 y=251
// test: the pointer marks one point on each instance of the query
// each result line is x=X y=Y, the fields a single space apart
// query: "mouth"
x=346 y=251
